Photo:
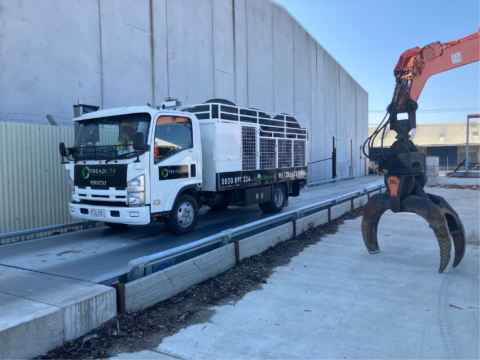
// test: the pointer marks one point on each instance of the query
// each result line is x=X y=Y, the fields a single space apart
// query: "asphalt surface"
x=101 y=254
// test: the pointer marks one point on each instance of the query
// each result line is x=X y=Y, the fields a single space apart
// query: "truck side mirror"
x=138 y=141
x=63 y=151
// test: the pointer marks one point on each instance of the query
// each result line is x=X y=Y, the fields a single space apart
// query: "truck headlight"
x=136 y=199
x=136 y=191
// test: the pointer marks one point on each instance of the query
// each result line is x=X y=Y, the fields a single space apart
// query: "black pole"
x=334 y=160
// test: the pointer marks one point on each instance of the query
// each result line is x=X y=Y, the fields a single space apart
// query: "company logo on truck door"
x=173 y=172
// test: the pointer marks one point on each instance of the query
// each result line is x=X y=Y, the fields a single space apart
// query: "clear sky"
x=368 y=36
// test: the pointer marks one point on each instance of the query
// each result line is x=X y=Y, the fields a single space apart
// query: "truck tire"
x=219 y=207
x=116 y=226
x=184 y=215
x=262 y=207
x=279 y=198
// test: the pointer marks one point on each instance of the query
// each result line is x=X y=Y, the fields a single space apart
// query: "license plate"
x=98 y=213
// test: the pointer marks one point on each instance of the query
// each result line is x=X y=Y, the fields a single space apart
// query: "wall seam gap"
x=234 y=53
x=213 y=45
x=166 y=43
x=293 y=61
x=273 y=64
x=101 y=51
x=246 y=37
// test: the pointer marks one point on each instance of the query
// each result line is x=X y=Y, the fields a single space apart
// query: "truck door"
x=176 y=154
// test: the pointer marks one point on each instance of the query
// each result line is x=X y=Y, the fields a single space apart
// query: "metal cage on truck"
x=273 y=146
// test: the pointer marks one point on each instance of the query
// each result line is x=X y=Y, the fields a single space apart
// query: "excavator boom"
x=416 y=65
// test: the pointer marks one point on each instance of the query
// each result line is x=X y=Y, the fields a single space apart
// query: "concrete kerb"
x=149 y=290
x=28 y=328
x=39 y=314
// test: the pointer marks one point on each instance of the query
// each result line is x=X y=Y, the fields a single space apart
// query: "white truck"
x=135 y=165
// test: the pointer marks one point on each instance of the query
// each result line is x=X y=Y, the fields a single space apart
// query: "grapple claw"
x=443 y=220
x=372 y=213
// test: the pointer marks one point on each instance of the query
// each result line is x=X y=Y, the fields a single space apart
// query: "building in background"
x=122 y=53
x=445 y=140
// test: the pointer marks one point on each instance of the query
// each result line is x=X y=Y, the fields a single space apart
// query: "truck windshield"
x=108 y=138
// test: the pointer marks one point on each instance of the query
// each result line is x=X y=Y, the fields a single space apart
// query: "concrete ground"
x=447 y=180
x=38 y=312
x=337 y=301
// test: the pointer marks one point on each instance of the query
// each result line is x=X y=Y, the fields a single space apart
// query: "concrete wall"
x=116 y=53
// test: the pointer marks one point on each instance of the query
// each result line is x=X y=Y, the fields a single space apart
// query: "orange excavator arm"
x=416 y=65
x=403 y=163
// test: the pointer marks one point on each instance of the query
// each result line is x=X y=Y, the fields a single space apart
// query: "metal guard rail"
x=42 y=229
x=226 y=235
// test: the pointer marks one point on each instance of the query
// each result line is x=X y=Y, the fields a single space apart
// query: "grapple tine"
x=455 y=227
x=460 y=243
x=437 y=221
x=372 y=213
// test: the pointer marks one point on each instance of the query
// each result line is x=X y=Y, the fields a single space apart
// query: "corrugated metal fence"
x=33 y=184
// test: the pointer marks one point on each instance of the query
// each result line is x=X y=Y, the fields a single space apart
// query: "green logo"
x=264 y=177
x=164 y=172
x=86 y=172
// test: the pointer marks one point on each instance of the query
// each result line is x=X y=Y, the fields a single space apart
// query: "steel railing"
x=42 y=229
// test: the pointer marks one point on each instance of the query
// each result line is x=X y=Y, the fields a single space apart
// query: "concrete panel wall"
x=223 y=49
x=118 y=53
x=283 y=64
x=260 y=54
x=126 y=53
x=190 y=50
x=49 y=57
x=301 y=64
x=160 y=62
x=330 y=100
x=241 y=52
x=320 y=171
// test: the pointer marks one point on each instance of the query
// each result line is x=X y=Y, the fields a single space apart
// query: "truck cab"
x=135 y=165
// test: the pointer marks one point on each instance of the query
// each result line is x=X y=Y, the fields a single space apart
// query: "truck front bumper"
x=121 y=215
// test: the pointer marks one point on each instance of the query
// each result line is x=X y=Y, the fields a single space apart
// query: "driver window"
x=172 y=134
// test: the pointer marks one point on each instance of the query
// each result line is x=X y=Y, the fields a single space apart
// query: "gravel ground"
x=146 y=329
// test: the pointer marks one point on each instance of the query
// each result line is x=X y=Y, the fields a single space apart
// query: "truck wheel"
x=219 y=206
x=263 y=207
x=116 y=226
x=184 y=215
x=278 y=199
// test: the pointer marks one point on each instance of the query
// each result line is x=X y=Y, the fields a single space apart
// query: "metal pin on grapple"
x=403 y=162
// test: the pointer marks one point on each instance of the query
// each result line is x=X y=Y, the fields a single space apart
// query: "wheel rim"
x=185 y=214
x=278 y=198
